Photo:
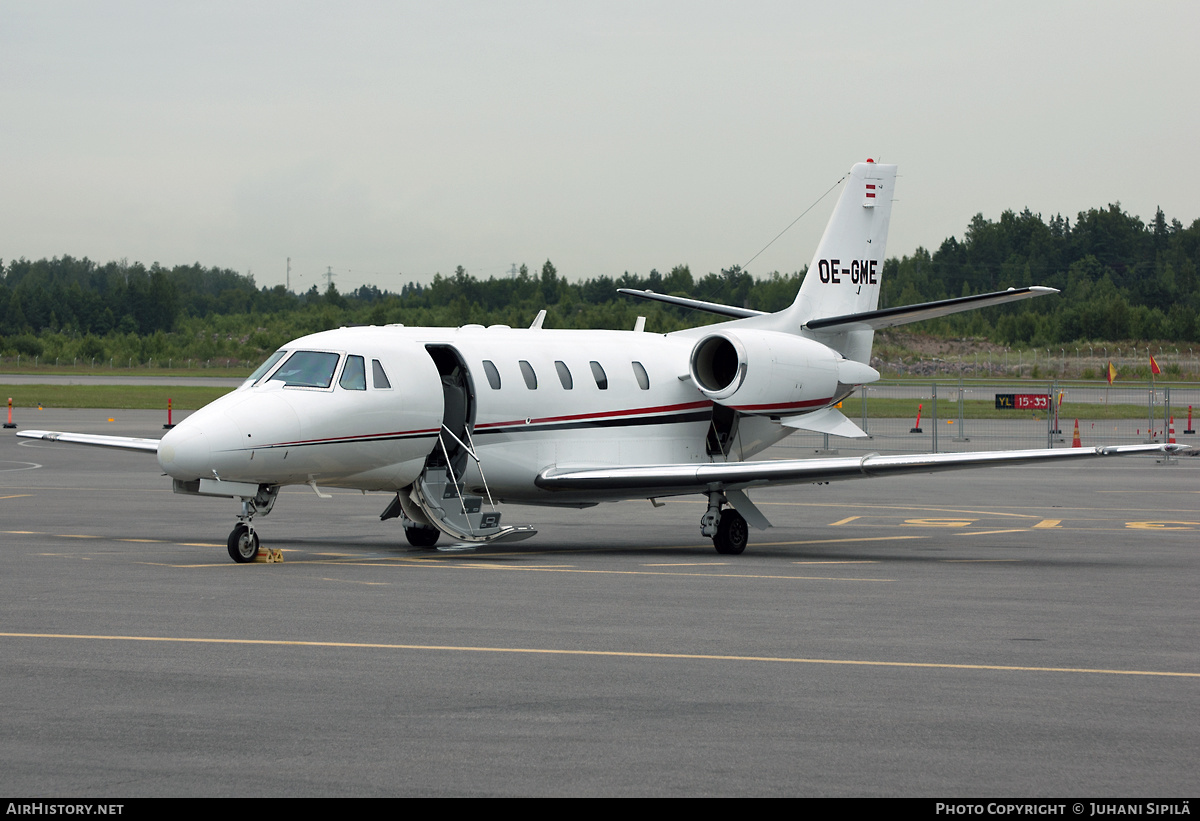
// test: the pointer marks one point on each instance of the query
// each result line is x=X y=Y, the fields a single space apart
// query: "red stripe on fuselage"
x=583 y=417
x=358 y=436
x=811 y=403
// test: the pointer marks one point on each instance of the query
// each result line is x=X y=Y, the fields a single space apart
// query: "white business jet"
x=452 y=421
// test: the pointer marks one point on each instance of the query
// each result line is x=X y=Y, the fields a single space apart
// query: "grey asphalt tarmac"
x=1005 y=632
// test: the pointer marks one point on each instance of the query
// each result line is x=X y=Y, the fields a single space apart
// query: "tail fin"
x=847 y=268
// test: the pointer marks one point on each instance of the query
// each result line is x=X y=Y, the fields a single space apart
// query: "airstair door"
x=440 y=491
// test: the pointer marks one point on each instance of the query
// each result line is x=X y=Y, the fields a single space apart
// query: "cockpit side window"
x=354 y=375
x=307 y=369
x=262 y=369
x=378 y=377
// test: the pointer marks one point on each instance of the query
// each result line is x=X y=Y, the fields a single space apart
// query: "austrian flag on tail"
x=871 y=188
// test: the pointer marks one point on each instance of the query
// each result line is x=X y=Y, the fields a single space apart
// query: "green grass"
x=141 y=370
x=132 y=397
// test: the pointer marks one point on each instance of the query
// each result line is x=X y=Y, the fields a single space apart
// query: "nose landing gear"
x=243 y=541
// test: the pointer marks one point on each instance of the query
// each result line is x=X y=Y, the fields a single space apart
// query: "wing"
x=94 y=439
x=674 y=480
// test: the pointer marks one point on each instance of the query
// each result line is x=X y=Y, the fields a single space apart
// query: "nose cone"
x=184 y=453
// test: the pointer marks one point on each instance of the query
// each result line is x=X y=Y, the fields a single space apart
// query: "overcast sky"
x=394 y=140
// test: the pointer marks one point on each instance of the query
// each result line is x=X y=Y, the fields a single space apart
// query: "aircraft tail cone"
x=1075 y=441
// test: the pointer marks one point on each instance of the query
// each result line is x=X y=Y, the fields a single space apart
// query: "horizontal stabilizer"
x=694 y=304
x=826 y=420
x=890 y=317
x=94 y=439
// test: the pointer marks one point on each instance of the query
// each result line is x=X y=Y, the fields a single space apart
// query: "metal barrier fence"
x=958 y=415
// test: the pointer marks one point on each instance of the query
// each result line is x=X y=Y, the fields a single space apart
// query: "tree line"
x=1121 y=279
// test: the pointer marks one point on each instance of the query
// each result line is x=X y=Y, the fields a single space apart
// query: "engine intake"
x=718 y=366
x=772 y=373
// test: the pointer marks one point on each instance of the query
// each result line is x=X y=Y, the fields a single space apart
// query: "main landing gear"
x=419 y=536
x=727 y=528
x=733 y=534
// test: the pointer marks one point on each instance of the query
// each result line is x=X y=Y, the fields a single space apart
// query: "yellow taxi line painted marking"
x=990 y=532
x=356 y=581
x=114 y=489
x=977 y=561
x=906 y=507
x=1155 y=492
x=545 y=651
x=839 y=541
x=847 y=520
x=466 y=566
x=74 y=536
x=17 y=496
x=198 y=544
x=24 y=532
x=1048 y=523
x=150 y=541
x=688 y=564
x=848 y=561
x=936 y=522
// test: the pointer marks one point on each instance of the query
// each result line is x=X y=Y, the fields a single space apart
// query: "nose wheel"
x=243 y=543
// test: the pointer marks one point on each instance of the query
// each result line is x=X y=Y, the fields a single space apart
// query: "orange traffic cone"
x=1075 y=441
x=1171 y=435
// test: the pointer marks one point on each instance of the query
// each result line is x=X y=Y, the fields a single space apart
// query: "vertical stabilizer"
x=846 y=270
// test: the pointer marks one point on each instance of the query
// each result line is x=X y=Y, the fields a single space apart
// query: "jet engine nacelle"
x=772 y=373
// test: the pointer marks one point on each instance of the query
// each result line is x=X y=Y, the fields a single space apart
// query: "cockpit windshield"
x=307 y=369
x=262 y=369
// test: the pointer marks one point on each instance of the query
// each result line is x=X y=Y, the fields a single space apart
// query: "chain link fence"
x=942 y=415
